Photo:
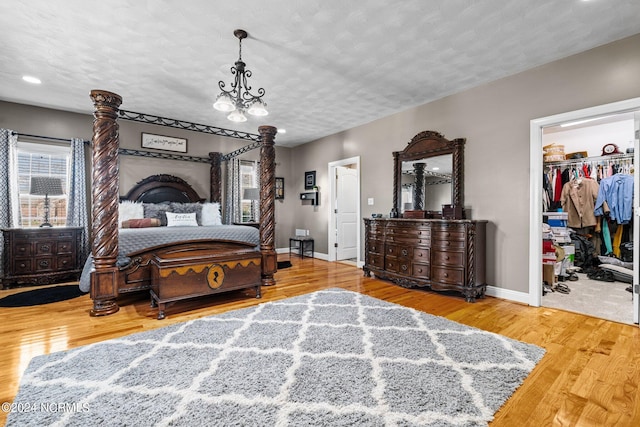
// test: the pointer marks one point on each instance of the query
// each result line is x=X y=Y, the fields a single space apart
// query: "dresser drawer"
x=23 y=266
x=449 y=235
x=448 y=275
x=420 y=271
x=64 y=247
x=64 y=262
x=449 y=244
x=391 y=264
x=44 y=264
x=421 y=254
x=448 y=258
x=44 y=248
x=376 y=247
x=23 y=249
x=375 y=260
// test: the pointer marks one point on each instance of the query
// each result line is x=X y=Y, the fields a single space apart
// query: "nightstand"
x=40 y=256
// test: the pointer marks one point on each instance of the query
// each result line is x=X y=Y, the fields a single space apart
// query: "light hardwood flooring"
x=588 y=377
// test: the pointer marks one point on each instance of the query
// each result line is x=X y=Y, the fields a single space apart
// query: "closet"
x=587 y=205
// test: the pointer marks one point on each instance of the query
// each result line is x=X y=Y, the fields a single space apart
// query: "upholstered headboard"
x=162 y=188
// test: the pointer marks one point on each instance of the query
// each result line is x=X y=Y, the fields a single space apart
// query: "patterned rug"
x=331 y=357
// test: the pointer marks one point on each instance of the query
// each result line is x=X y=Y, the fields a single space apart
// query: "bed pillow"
x=141 y=223
x=211 y=214
x=156 y=210
x=181 y=219
x=129 y=210
x=188 y=208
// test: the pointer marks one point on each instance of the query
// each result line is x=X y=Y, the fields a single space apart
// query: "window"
x=42 y=160
x=248 y=188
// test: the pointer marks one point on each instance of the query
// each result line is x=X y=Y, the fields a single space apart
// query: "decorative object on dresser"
x=423 y=247
x=45 y=186
x=40 y=256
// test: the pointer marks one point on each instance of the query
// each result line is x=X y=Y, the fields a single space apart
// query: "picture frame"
x=279 y=188
x=164 y=143
x=309 y=180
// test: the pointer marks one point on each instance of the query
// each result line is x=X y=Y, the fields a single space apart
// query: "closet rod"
x=49 y=138
x=591 y=159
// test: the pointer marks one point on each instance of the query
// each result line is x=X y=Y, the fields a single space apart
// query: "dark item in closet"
x=585 y=251
x=626 y=251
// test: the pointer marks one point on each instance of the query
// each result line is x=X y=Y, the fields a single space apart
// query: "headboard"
x=163 y=188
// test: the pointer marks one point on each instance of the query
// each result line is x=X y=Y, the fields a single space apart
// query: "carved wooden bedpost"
x=216 y=177
x=267 y=204
x=105 y=188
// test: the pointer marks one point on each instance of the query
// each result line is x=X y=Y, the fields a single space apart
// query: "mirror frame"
x=430 y=144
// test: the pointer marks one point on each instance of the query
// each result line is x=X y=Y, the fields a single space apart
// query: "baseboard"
x=318 y=255
x=508 y=294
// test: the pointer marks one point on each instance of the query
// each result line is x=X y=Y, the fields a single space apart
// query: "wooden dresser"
x=444 y=255
x=40 y=256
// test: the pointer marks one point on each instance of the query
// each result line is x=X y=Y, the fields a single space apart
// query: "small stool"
x=302 y=244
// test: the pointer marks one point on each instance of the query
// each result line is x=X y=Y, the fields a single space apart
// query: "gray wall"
x=60 y=124
x=495 y=119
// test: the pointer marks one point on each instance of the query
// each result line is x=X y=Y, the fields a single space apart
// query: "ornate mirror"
x=428 y=174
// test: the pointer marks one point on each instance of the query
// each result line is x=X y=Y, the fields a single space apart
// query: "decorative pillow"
x=211 y=214
x=156 y=210
x=141 y=223
x=188 y=208
x=181 y=219
x=129 y=210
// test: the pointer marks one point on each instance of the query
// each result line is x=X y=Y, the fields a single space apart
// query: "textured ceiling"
x=326 y=65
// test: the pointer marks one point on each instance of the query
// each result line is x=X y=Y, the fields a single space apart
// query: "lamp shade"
x=45 y=186
x=251 y=194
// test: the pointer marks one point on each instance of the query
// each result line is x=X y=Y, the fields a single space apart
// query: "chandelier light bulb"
x=237 y=116
x=258 y=108
x=224 y=103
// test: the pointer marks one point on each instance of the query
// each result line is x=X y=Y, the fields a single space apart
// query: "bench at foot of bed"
x=176 y=278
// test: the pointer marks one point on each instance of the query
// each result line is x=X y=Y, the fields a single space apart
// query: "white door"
x=636 y=226
x=346 y=212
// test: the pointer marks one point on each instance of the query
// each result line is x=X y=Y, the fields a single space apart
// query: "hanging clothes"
x=617 y=192
x=578 y=200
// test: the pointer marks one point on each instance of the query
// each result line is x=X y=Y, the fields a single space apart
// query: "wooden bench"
x=179 y=276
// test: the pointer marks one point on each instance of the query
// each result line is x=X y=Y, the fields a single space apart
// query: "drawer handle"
x=64 y=262
x=390 y=264
x=405 y=252
x=404 y=267
x=22 y=249
x=22 y=265
x=64 y=247
x=46 y=247
x=44 y=263
x=419 y=270
x=419 y=254
x=446 y=257
x=446 y=274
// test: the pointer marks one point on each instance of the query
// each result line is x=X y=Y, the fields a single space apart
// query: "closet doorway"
x=596 y=143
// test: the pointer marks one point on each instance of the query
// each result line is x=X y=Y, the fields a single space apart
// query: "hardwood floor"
x=589 y=376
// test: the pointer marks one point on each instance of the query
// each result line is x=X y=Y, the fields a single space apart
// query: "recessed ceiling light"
x=31 y=79
x=282 y=131
x=435 y=168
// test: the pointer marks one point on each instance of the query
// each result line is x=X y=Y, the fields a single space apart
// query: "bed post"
x=105 y=188
x=215 y=185
x=267 y=204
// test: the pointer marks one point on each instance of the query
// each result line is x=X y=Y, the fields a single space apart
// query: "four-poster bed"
x=108 y=279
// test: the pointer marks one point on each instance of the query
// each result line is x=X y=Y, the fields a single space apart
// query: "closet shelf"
x=625 y=156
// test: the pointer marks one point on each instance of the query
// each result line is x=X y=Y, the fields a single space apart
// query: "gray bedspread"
x=134 y=239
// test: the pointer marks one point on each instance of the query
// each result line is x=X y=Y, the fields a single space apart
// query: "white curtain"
x=232 y=210
x=9 y=190
x=77 y=215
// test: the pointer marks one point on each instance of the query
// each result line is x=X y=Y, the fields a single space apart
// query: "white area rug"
x=329 y=358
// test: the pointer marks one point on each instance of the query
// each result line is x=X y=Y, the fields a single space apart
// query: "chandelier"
x=239 y=98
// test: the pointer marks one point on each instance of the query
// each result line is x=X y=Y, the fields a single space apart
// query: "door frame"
x=535 y=186
x=332 y=206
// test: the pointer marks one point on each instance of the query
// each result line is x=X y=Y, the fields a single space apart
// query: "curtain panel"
x=77 y=215
x=9 y=190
